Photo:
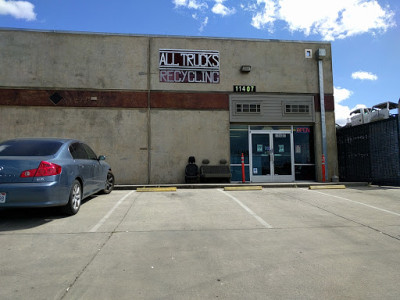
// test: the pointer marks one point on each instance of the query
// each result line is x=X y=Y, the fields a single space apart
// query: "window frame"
x=302 y=108
x=252 y=108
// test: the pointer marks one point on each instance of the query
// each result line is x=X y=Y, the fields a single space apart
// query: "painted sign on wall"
x=189 y=66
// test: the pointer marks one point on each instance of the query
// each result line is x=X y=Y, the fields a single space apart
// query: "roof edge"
x=159 y=36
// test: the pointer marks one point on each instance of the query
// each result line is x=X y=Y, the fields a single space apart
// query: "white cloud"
x=180 y=2
x=220 y=9
x=18 y=9
x=203 y=24
x=331 y=19
x=341 y=94
x=362 y=75
x=266 y=16
x=192 y=4
x=342 y=112
x=202 y=11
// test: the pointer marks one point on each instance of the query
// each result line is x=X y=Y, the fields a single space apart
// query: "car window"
x=29 y=148
x=77 y=151
x=90 y=152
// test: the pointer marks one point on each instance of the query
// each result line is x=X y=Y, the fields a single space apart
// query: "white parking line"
x=367 y=205
x=252 y=213
x=101 y=222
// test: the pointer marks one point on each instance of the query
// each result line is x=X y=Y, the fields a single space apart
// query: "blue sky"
x=365 y=34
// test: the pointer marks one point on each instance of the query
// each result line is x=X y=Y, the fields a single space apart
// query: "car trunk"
x=12 y=167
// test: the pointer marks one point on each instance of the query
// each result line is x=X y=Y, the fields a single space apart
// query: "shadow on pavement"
x=12 y=219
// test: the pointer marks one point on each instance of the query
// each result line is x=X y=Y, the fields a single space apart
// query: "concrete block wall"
x=121 y=62
x=80 y=61
x=122 y=136
x=277 y=66
x=202 y=134
x=118 y=134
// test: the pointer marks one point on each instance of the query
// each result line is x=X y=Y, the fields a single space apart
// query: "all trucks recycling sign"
x=189 y=66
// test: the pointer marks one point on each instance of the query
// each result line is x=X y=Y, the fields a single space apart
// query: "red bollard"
x=243 y=174
x=323 y=168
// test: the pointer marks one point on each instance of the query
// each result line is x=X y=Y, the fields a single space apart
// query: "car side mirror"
x=102 y=157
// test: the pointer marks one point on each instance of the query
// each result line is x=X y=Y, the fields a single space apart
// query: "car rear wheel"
x=75 y=199
x=109 y=183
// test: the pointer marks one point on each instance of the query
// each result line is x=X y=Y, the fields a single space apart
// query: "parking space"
x=278 y=243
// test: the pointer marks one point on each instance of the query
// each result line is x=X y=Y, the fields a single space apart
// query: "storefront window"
x=239 y=136
x=304 y=157
x=239 y=139
x=304 y=172
x=303 y=145
x=303 y=149
x=236 y=172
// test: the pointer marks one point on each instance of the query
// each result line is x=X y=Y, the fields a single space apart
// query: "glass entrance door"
x=271 y=156
x=260 y=155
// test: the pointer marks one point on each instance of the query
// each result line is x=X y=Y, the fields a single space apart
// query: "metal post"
x=243 y=172
x=323 y=123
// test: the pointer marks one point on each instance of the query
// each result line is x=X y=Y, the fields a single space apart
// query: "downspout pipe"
x=149 y=145
x=321 y=53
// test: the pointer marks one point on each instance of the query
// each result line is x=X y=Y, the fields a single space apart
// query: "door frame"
x=272 y=177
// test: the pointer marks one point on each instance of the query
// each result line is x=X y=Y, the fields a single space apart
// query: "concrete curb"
x=241 y=185
x=243 y=188
x=156 y=189
x=323 y=187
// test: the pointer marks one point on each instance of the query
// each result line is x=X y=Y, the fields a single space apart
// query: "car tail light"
x=45 y=169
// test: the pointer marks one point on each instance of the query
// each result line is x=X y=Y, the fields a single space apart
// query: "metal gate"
x=370 y=152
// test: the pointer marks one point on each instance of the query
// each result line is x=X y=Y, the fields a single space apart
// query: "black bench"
x=215 y=173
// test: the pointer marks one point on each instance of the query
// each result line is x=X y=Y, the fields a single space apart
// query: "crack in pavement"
x=110 y=234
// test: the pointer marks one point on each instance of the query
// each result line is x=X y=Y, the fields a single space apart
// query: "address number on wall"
x=244 y=88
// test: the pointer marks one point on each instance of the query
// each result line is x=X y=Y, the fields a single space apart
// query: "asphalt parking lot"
x=277 y=243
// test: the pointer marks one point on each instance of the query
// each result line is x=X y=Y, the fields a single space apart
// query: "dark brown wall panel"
x=189 y=100
x=69 y=98
x=329 y=103
x=126 y=99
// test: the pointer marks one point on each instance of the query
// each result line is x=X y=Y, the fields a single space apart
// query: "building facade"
x=150 y=102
